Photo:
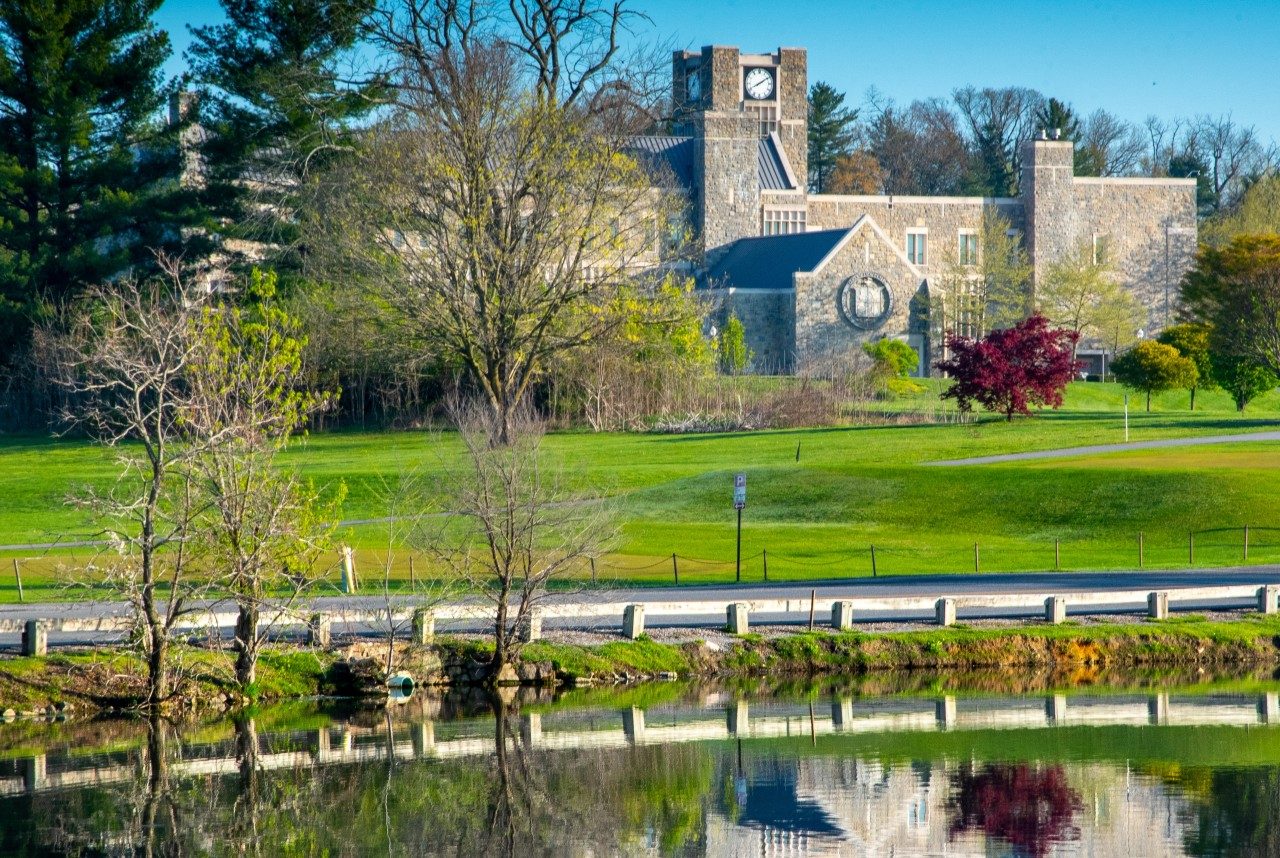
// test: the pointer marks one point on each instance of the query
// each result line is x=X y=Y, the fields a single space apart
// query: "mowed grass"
x=815 y=517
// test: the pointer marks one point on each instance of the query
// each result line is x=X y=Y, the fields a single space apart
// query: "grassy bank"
x=1071 y=655
x=818 y=498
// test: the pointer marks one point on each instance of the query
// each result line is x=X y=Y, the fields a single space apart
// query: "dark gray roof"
x=769 y=261
x=773 y=175
x=659 y=152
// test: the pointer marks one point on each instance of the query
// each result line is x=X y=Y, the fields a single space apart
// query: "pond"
x=1156 y=766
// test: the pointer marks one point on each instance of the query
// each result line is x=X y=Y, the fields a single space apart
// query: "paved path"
x=1196 y=441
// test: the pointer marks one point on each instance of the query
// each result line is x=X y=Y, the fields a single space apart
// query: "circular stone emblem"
x=864 y=301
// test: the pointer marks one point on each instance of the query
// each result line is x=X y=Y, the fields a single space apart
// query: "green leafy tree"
x=831 y=133
x=281 y=98
x=1257 y=213
x=1242 y=378
x=1235 y=290
x=1059 y=120
x=734 y=354
x=1192 y=166
x=1081 y=292
x=1192 y=342
x=88 y=175
x=263 y=531
x=1153 y=367
x=975 y=295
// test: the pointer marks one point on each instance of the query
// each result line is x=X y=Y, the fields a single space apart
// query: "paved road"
x=885 y=587
x=1197 y=441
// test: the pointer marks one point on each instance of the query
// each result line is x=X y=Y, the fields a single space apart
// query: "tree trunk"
x=1193 y=399
x=247 y=645
x=1148 y=402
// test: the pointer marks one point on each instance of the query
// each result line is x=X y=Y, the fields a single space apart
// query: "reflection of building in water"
x=850 y=807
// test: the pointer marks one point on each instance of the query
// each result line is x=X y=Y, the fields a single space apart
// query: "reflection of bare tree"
x=1029 y=807
x=159 y=812
x=245 y=808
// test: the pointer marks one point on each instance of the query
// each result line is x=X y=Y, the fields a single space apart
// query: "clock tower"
x=730 y=102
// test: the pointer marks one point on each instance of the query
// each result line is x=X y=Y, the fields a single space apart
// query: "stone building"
x=816 y=274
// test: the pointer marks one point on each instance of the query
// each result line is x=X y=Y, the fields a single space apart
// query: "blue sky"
x=1171 y=58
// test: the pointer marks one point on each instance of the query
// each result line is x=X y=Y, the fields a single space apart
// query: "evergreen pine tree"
x=89 y=173
x=278 y=99
x=831 y=133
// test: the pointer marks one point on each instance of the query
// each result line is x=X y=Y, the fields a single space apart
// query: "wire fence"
x=44 y=577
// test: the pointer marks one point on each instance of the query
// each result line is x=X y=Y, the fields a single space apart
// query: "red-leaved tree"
x=1011 y=369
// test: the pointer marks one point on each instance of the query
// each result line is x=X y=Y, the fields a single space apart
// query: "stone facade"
x=1148 y=226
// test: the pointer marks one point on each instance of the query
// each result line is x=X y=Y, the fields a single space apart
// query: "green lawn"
x=851 y=488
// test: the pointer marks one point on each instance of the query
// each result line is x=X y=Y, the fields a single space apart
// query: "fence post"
x=413 y=577
x=17 y=574
x=1246 y=542
x=813 y=598
x=1057 y=555
x=1140 y=550
x=1191 y=548
x=675 y=568
x=593 y=570
x=764 y=553
x=976 y=566
x=873 y=561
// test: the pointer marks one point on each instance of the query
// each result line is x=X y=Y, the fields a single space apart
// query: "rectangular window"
x=1100 y=249
x=766 y=116
x=916 y=247
x=968 y=249
x=783 y=221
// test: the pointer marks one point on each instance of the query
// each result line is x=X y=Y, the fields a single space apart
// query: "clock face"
x=693 y=84
x=758 y=83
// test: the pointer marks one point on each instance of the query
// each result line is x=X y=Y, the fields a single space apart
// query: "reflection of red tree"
x=1027 y=807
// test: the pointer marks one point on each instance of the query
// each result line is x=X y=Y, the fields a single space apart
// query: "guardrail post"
x=1158 y=708
x=320 y=630
x=633 y=723
x=736 y=615
x=1158 y=606
x=424 y=626
x=633 y=621
x=842 y=616
x=842 y=712
x=531 y=626
x=1267 y=598
x=35 y=638
x=1055 y=609
x=1269 y=707
x=739 y=718
x=34 y=772
x=945 y=712
x=424 y=738
x=945 y=612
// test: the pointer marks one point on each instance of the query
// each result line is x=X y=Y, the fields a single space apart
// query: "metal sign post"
x=1126 y=418
x=739 y=501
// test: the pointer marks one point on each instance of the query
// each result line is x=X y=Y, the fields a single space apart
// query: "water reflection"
x=665 y=771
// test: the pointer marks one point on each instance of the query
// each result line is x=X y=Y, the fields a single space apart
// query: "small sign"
x=740 y=491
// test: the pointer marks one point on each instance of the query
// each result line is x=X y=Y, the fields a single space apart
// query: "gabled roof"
x=775 y=172
x=659 y=152
x=769 y=261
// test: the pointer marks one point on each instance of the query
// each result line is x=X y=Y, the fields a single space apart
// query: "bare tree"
x=1231 y=152
x=125 y=363
x=998 y=121
x=495 y=206
x=1115 y=146
x=515 y=528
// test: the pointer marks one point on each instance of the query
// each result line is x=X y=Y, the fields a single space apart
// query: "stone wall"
x=942 y=217
x=1149 y=227
x=820 y=329
x=769 y=320
x=726 y=173
x=793 y=110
